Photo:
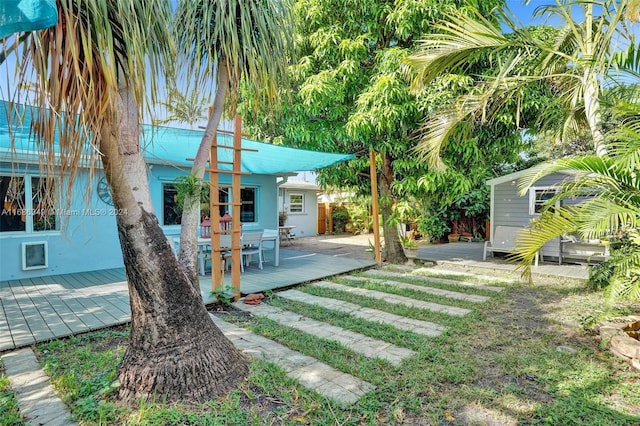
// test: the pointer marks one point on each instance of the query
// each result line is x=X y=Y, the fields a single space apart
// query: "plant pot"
x=411 y=253
x=453 y=238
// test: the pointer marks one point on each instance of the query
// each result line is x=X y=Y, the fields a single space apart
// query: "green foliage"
x=9 y=410
x=191 y=188
x=359 y=211
x=433 y=224
x=348 y=93
x=282 y=218
x=620 y=274
x=340 y=217
x=408 y=242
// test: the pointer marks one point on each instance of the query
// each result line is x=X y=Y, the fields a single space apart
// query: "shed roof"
x=515 y=175
x=173 y=146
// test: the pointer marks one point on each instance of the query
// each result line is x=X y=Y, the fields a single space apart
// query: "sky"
x=519 y=9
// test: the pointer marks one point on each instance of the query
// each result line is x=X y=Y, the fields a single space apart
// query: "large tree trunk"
x=175 y=352
x=191 y=208
x=392 y=243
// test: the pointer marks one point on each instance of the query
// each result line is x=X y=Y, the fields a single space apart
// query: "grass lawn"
x=527 y=356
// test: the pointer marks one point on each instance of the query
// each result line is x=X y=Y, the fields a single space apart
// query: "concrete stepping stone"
x=430 y=290
x=431 y=278
x=39 y=403
x=364 y=345
x=454 y=272
x=394 y=299
x=308 y=371
x=403 y=323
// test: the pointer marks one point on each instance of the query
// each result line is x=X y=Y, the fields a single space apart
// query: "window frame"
x=28 y=209
x=224 y=196
x=535 y=202
x=301 y=203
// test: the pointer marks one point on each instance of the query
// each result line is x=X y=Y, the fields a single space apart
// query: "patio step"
x=308 y=371
x=394 y=299
x=403 y=323
x=430 y=290
x=427 y=277
x=364 y=345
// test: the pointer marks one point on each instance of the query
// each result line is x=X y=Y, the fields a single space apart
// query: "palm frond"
x=253 y=38
x=76 y=68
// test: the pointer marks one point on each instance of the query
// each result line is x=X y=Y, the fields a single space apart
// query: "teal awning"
x=173 y=146
x=26 y=15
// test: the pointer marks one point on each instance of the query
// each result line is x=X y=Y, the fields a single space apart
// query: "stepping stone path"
x=403 y=323
x=433 y=279
x=395 y=299
x=309 y=372
x=367 y=346
x=38 y=401
x=437 y=291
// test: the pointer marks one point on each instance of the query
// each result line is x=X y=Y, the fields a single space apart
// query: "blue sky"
x=520 y=10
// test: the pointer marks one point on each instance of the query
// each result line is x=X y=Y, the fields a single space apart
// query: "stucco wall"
x=89 y=239
x=306 y=222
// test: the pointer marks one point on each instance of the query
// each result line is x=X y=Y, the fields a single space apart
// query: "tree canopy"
x=348 y=92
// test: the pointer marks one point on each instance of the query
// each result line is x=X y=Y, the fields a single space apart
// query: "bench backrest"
x=505 y=236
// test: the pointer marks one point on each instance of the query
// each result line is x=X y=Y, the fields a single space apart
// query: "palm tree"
x=238 y=42
x=95 y=64
x=574 y=63
x=610 y=192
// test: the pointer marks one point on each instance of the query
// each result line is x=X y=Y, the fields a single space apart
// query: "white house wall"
x=306 y=222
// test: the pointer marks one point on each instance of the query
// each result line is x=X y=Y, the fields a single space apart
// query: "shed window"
x=296 y=203
x=538 y=196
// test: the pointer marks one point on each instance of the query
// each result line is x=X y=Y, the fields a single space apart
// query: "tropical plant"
x=234 y=42
x=348 y=94
x=282 y=218
x=340 y=218
x=573 y=62
x=610 y=209
x=92 y=80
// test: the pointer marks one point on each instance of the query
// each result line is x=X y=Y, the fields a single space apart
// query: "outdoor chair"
x=251 y=245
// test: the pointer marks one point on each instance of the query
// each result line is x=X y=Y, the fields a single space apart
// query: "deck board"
x=38 y=309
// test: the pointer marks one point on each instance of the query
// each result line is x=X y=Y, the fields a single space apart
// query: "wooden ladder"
x=215 y=169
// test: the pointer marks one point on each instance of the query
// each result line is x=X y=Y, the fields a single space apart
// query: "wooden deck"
x=39 y=309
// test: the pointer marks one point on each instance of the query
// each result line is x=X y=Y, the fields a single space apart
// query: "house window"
x=28 y=204
x=538 y=196
x=296 y=203
x=173 y=212
x=248 y=208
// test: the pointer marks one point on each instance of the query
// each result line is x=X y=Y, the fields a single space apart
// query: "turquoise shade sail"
x=26 y=15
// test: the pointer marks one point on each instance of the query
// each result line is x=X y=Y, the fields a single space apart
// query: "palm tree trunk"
x=175 y=351
x=591 y=90
x=593 y=114
x=392 y=243
x=191 y=210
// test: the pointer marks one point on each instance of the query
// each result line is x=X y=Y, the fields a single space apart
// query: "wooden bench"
x=504 y=241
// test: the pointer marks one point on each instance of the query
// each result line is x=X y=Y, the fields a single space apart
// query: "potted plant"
x=409 y=245
x=282 y=218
